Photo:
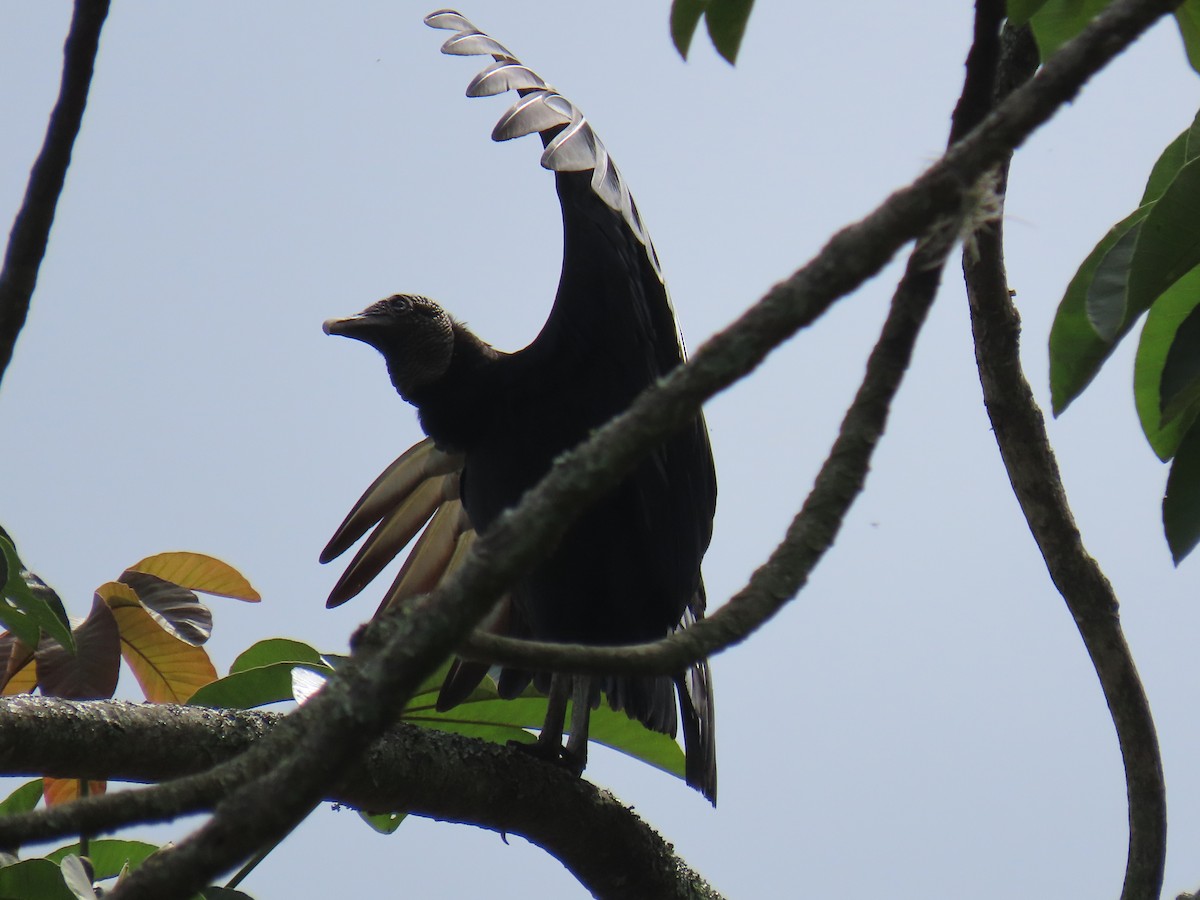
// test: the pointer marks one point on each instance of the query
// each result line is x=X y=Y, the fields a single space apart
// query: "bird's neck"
x=455 y=408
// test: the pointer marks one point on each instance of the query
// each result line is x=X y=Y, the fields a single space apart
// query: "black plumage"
x=628 y=570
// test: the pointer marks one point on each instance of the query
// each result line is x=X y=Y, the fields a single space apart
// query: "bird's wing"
x=571 y=146
x=420 y=486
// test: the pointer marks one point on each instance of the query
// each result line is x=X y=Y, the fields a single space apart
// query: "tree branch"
x=418 y=770
x=1033 y=472
x=394 y=653
x=31 y=228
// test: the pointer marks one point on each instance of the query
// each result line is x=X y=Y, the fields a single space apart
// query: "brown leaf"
x=91 y=672
x=175 y=608
x=18 y=676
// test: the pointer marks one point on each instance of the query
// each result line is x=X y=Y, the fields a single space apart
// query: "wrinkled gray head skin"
x=414 y=334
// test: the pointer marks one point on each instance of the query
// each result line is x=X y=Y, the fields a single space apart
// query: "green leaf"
x=250 y=688
x=494 y=719
x=1169 y=312
x=1193 y=140
x=1100 y=306
x=1106 y=295
x=1076 y=350
x=1019 y=11
x=1169 y=162
x=23 y=799
x=485 y=715
x=685 y=16
x=275 y=650
x=1181 y=505
x=1057 y=21
x=108 y=855
x=1151 y=257
x=29 y=605
x=1168 y=246
x=34 y=879
x=1187 y=17
x=618 y=731
x=726 y=20
x=1180 y=385
x=384 y=823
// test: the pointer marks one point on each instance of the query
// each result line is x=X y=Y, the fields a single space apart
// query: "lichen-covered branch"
x=416 y=770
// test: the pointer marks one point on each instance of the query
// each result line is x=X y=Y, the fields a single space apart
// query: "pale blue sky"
x=922 y=721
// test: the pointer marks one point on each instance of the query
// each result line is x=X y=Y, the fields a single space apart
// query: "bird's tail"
x=697 y=713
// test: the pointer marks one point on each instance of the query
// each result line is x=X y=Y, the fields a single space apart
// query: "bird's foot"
x=554 y=754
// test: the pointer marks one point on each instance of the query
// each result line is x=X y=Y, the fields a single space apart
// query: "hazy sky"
x=922 y=721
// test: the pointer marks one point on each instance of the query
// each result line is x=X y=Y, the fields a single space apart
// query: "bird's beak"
x=359 y=327
x=338 y=326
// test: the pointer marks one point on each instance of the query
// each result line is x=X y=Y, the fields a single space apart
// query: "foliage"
x=1149 y=262
x=74 y=872
x=1054 y=22
x=726 y=21
x=152 y=617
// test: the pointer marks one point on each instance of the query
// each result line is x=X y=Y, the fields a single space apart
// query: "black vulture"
x=628 y=570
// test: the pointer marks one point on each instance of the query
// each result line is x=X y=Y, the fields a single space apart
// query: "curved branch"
x=1033 y=472
x=418 y=770
x=31 y=228
x=395 y=652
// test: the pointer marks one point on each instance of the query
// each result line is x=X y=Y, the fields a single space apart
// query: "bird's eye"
x=400 y=303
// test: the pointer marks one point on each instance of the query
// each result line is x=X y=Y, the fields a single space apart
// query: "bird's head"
x=414 y=334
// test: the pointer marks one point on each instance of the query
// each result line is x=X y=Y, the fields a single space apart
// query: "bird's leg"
x=575 y=753
x=549 y=741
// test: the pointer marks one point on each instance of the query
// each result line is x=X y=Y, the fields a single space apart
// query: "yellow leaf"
x=19 y=675
x=168 y=669
x=63 y=790
x=198 y=572
x=23 y=681
x=116 y=595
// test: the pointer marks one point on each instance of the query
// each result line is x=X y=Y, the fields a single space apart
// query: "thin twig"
x=31 y=228
x=1033 y=472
